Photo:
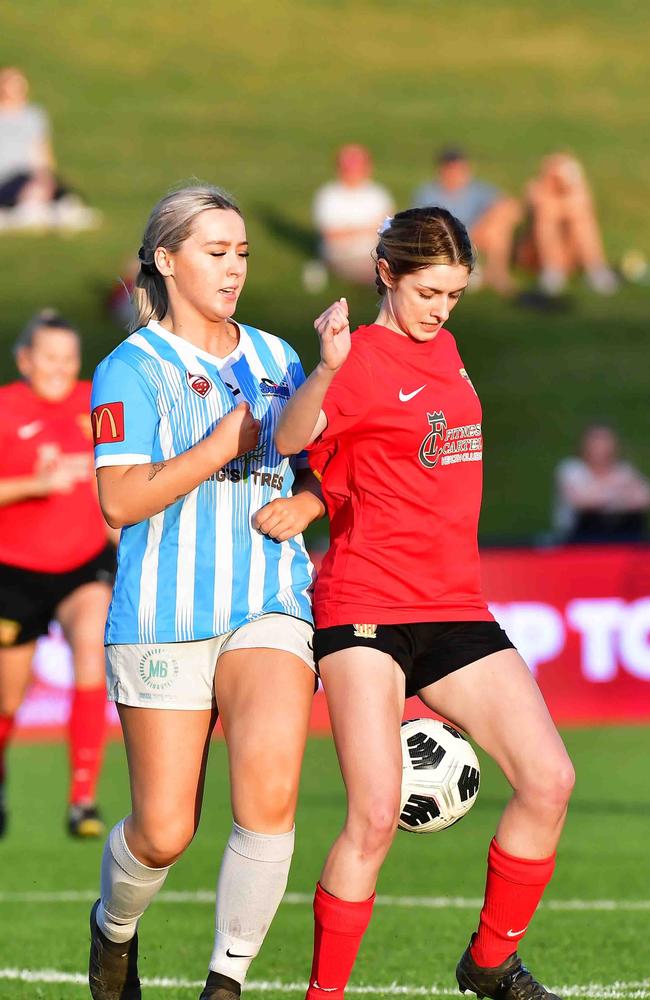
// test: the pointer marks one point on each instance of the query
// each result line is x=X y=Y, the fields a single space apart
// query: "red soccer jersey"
x=55 y=533
x=401 y=468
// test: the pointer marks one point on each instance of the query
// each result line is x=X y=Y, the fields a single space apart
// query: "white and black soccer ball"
x=440 y=776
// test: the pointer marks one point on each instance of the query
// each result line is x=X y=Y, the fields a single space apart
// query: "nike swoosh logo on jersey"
x=29 y=430
x=512 y=933
x=324 y=989
x=405 y=396
x=231 y=954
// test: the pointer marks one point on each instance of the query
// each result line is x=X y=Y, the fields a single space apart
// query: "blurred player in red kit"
x=394 y=427
x=56 y=561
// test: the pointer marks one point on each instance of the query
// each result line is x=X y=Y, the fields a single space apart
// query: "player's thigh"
x=365 y=696
x=497 y=701
x=82 y=615
x=167 y=753
x=264 y=698
x=15 y=675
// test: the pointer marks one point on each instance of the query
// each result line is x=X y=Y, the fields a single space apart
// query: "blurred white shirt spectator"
x=31 y=195
x=347 y=213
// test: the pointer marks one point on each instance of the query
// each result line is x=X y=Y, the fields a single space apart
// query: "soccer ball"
x=440 y=776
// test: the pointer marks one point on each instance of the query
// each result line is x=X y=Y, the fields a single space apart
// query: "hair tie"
x=386 y=224
x=147 y=267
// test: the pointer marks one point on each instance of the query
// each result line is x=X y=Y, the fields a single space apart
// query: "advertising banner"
x=579 y=615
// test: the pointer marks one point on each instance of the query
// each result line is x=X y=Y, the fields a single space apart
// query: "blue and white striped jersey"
x=198 y=568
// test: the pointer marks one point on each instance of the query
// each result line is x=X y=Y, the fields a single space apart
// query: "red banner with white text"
x=580 y=616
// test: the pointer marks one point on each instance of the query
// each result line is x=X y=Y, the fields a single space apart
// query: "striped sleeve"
x=124 y=415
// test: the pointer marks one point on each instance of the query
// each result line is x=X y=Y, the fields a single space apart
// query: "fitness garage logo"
x=450 y=445
x=158 y=669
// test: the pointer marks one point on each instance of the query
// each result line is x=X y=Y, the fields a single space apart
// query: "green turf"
x=603 y=855
x=256 y=96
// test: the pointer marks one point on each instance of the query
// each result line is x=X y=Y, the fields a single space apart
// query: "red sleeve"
x=5 y=413
x=348 y=397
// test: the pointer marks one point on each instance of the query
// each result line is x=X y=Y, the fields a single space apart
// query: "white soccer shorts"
x=181 y=674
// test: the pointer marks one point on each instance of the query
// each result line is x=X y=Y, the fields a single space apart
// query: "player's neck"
x=218 y=338
x=387 y=319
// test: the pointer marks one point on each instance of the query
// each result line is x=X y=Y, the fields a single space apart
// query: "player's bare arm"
x=41 y=483
x=302 y=419
x=286 y=517
x=129 y=494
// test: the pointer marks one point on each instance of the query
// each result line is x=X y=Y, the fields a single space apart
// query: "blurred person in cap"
x=563 y=234
x=56 y=561
x=489 y=215
x=31 y=194
x=599 y=496
x=347 y=213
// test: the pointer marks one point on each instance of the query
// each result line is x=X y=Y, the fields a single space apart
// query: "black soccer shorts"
x=28 y=599
x=426 y=651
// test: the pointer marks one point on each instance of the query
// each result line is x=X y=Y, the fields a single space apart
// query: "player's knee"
x=10 y=702
x=550 y=784
x=161 y=847
x=374 y=829
x=274 y=804
x=565 y=779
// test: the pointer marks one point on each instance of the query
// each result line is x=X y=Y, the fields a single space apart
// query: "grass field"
x=430 y=886
x=257 y=96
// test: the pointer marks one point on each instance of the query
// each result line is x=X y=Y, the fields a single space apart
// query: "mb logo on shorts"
x=158 y=669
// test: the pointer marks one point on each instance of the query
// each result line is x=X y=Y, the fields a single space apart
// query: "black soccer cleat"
x=509 y=981
x=112 y=968
x=218 y=987
x=85 y=822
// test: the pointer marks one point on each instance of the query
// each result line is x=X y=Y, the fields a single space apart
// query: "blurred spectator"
x=564 y=235
x=490 y=216
x=347 y=213
x=30 y=193
x=600 y=497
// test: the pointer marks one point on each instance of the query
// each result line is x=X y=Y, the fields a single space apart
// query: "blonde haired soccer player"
x=395 y=429
x=211 y=607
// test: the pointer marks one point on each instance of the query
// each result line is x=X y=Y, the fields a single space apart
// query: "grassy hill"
x=256 y=96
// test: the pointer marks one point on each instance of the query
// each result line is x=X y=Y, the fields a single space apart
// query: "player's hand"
x=55 y=479
x=239 y=430
x=333 y=328
x=286 y=517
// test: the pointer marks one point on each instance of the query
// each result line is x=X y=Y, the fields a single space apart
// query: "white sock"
x=252 y=880
x=128 y=887
x=552 y=280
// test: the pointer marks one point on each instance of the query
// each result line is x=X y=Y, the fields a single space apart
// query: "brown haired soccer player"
x=394 y=427
x=56 y=561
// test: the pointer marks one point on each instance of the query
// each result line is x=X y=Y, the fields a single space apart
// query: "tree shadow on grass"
x=288 y=231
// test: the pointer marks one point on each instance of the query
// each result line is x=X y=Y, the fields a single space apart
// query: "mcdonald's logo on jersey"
x=108 y=423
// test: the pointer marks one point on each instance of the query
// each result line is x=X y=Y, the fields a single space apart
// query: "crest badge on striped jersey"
x=200 y=384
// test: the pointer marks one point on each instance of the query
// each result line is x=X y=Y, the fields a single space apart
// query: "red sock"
x=338 y=928
x=513 y=890
x=87 y=732
x=6 y=726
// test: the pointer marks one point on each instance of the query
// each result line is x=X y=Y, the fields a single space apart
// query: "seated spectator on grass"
x=489 y=215
x=31 y=195
x=599 y=496
x=347 y=213
x=563 y=234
